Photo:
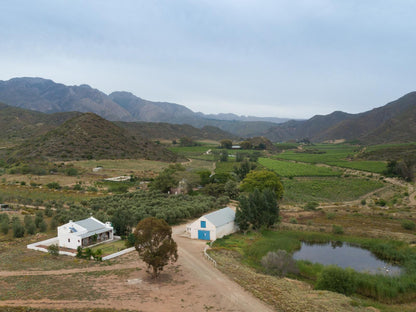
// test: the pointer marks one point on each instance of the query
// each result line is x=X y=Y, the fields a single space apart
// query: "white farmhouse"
x=213 y=225
x=84 y=233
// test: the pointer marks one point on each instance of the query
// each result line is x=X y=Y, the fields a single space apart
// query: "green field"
x=303 y=190
x=292 y=169
x=340 y=155
x=192 y=150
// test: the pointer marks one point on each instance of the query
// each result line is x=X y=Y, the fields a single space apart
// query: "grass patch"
x=303 y=190
x=111 y=247
x=291 y=169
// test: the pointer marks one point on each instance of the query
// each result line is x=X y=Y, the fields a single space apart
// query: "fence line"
x=209 y=257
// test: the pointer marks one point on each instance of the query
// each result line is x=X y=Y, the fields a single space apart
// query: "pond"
x=345 y=255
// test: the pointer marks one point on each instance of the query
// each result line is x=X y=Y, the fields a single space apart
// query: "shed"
x=213 y=225
x=84 y=233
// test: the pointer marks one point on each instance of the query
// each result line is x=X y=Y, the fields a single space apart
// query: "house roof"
x=221 y=217
x=92 y=226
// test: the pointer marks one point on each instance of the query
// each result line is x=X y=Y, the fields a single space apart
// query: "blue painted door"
x=203 y=235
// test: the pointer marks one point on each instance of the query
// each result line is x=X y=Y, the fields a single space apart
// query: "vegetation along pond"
x=345 y=255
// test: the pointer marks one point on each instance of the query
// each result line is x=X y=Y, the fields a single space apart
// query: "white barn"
x=213 y=225
x=84 y=233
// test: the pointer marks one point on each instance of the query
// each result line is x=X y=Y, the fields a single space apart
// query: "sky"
x=267 y=58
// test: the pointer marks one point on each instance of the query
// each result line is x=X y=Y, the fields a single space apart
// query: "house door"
x=203 y=235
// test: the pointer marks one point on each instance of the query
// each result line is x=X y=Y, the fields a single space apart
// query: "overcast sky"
x=282 y=58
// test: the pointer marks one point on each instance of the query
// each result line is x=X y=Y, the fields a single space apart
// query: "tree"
x=18 y=229
x=164 y=181
x=29 y=225
x=226 y=143
x=259 y=208
x=244 y=168
x=186 y=141
x=224 y=155
x=155 y=244
x=262 y=179
x=4 y=223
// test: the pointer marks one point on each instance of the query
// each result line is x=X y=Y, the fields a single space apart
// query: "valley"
x=65 y=166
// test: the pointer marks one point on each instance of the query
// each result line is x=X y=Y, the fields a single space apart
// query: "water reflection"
x=345 y=255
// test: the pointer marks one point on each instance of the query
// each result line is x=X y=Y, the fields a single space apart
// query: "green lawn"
x=111 y=247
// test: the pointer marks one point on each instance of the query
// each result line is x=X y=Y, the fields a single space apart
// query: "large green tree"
x=258 y=209
x=155 y=244
x=261 y=180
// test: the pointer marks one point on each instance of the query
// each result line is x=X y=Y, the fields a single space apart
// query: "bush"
x=311 y=206
x=336 y=279
x=53 y=185
x=279 y=263
x=408 y=225
x=4 y=225
x=53 y=250
x=363 y=202
x=330 y=215
x=337 y=229
x=18 y=229
x=71 y=172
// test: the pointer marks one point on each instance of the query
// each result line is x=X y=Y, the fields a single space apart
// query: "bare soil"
x=191 y=284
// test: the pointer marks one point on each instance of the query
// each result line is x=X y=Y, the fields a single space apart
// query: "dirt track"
x=191 y=284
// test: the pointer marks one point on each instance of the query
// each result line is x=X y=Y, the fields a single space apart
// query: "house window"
x=203 y=224
x=69 y=240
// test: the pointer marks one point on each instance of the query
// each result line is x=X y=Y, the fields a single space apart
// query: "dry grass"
x=282 y=293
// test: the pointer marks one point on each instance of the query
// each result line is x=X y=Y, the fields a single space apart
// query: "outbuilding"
x=213 y=225
x=84 y=233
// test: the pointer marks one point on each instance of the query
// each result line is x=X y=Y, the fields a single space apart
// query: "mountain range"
x=46 y=96
x=393 y=122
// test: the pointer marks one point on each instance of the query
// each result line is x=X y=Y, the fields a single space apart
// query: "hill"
x=391 y=123
x=166 y=131
x=89 y=136
x=17 y=124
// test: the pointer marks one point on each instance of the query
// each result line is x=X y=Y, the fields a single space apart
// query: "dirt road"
x=191 y=284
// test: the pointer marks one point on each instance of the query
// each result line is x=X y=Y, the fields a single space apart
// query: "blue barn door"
x=203 y=235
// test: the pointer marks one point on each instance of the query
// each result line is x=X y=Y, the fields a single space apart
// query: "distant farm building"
x=213 y=225
x=84 y=233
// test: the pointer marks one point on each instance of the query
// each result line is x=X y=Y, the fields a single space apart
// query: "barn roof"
x=221 y=217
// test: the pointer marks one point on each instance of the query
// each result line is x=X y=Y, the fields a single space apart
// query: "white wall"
x=196 y=226
x=226 y=229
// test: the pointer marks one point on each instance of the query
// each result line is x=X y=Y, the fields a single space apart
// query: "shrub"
x=408 y=225
x=311 y=206
x=337 y=229
x=293 y=221
x=4 y=225
x=18 y=229
x=336 y=279
x=77 y=187
x=53 y=250
x=71 y=172
x=53 y=185
x=330 y=215
x=279 y=263
x=363 y=202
